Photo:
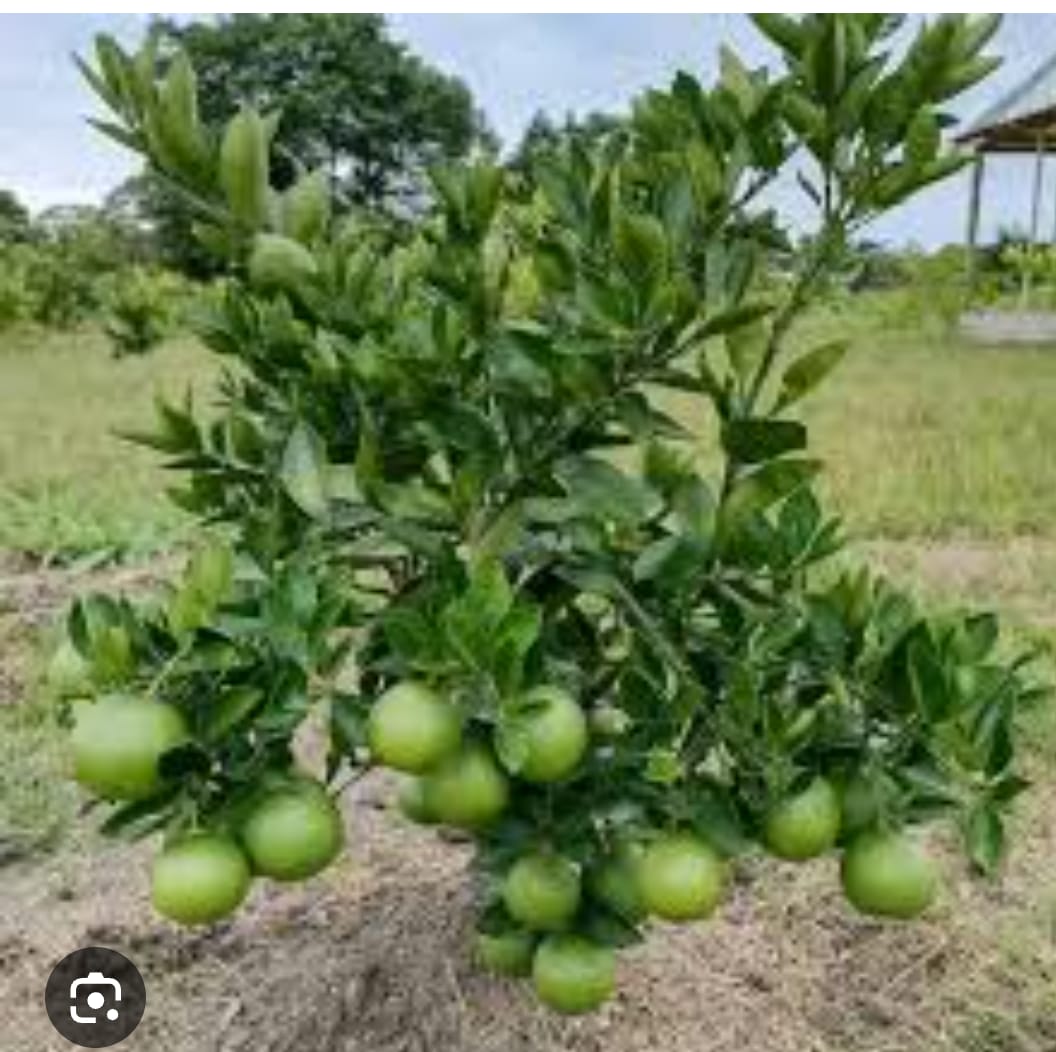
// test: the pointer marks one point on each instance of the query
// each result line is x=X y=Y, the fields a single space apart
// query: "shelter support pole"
x=1035 y=201
x=1053 y=238
x=1035 y=211
x=972 y=234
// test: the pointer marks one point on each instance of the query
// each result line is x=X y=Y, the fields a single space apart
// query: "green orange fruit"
x=200 y=879
x=889 y=875
x=572 y=975
x=118 y=741
x=412 y=728
x=681 y=877
x=293 y=833
x=805 y=825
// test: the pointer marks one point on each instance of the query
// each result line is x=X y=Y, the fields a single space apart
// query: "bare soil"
x=372 y=956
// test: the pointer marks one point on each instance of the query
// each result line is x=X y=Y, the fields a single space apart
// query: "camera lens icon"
x=95 y=997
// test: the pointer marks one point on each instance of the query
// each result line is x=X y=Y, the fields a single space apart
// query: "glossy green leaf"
x=304 y=468
x=808 y=371
x=751 y=441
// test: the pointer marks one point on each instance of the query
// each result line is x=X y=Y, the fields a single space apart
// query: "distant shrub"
x=62 y=278
x=140 y=309
x=62 y=290
x=1034 y=267
x=15 y=294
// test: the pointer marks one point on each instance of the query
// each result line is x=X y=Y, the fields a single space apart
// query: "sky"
x=515 y=65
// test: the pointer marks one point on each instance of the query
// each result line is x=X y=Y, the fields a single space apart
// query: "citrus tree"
x=456 y=528
x=141 y=308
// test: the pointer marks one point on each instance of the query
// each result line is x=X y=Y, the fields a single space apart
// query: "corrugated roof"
x=1033 y=99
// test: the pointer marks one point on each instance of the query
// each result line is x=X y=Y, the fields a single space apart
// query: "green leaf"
x=978 y=637
x=600 y=490
x=1006 y=789
x=930 y=690
x=644 y=421
x=928 y=787
x=211 y=571
x=670 y=561
x=985 y=838
x=706 y=179
x=490 y=595
x=304 y=471
x=736 y=317
x=564 y=192
x=967 y=74
x=694 y=507
x=922 y=138
x=807 y=119
x=640 y=245
x=342 y=483
x=607 y=928
x=976 y=31
x=716 y=819
x=512 y=738
x=177 y=431
x=825 y=58
x=517 y=365
x=751 y=441
x=141 y=818
x=785 y=32
x=111 y=655
x=116 y=132
x=807 y=372
x=519 y=632
x=762 y=488
x=348 y=728
x=97 y=82
x=229 y=710
x=746 y=347
x=181 y=761
x=471 y=622
x=411 y=634
x=186 y=611
x=735 y=77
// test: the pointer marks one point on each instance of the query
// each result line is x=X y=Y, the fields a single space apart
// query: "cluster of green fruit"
x=672 y=876
x=460 y=783
x=289 y=832
x=293 y=830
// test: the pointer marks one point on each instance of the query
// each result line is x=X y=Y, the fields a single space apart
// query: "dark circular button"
x=95 y=997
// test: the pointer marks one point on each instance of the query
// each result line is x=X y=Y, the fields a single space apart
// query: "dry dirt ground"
x=371 y=957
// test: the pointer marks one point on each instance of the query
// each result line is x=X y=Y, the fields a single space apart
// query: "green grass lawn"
x=928 y=436
x=922 y=436
x=68 y=484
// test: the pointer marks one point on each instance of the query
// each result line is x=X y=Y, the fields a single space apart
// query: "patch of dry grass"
x=68 y=484
x=923 y=435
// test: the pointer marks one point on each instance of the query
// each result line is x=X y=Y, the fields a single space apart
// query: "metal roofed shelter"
x=1022 y=122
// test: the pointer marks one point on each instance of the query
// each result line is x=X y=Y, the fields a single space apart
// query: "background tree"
x=14 y=218
x=544 y=137
x=158 y=219
x=354 y=101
